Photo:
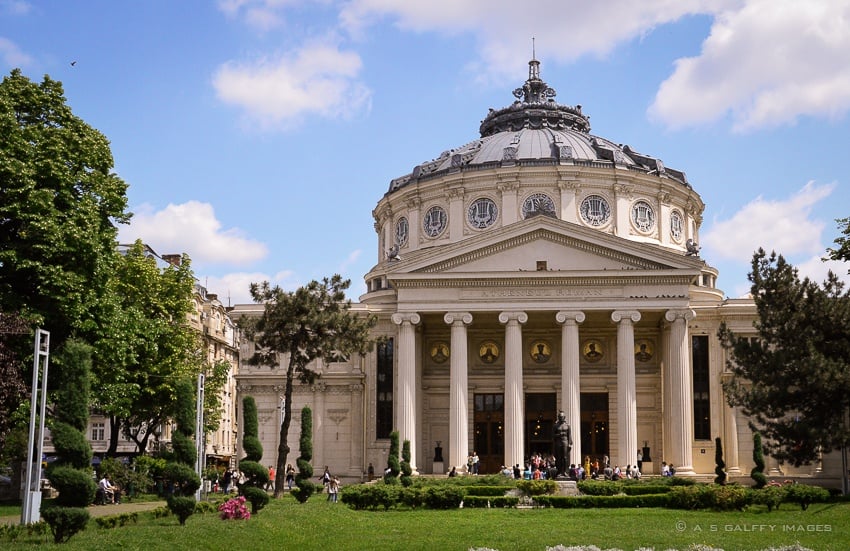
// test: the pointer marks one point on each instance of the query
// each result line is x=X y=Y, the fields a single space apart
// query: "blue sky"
x=258 y=135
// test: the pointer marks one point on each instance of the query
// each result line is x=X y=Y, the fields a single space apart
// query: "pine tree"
x=793 y=378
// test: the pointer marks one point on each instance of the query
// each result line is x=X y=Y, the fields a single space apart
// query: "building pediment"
x=544 y=244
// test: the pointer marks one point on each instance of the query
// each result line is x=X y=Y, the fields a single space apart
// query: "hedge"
x=484 y=502
x=602 y=502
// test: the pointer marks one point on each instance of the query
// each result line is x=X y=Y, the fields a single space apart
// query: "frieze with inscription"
x=536 y=292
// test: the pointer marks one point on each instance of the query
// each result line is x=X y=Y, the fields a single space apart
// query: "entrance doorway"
x=539 y=423
x=594 y=425
x=489 y=439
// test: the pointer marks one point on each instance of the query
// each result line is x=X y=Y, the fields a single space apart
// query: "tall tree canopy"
x=59 y=203
x=793 y=379
x=296 y=328
x=144 y=343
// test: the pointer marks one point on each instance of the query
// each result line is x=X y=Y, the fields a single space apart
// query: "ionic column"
x=679 y=413
x=406 y=405
x=570 y=386
x=730 y=446
x=514 y=423
x=627 y=443
x=458 y=390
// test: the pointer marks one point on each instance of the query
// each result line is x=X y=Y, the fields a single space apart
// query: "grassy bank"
x=285 y=524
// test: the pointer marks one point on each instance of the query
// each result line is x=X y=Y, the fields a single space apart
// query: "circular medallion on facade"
x=537 y=204
x=435 y=221
x=540 y=351
x=644 y=349
x=677 y=225
x=488 y=352
x=482 y=213
x=595 y=210
x=440 y=352
x=643 y=217
x=592 y=350
x=401 y=231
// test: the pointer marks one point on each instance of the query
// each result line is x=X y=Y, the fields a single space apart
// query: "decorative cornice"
x=578 y=281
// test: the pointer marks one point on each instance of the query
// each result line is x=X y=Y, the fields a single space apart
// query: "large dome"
x=536 y=129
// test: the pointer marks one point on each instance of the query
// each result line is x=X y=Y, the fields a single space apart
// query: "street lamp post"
x=199 y=435
x=31 y=511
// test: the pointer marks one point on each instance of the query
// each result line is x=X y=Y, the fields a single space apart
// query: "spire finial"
x=533 y=50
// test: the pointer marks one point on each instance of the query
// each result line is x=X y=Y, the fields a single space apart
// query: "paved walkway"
x=104 y=510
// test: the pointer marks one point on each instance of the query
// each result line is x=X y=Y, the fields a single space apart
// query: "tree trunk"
x=114 y=430
x=283 y=448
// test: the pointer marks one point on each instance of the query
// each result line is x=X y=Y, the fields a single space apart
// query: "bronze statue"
x=563 y=443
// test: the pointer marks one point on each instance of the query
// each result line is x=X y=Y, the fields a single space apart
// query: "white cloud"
x=564 y=31
x=192 y=228
x=784 y=226
x=767 y=64
x=12 y=55
x=816 y=269
x=319 y=79
x=234 y=288
x=15 y=7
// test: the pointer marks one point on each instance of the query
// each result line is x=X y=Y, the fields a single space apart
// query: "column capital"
x=507 y=317
x=618 y=316
x=685 y=314
x=410 y=317
x=451 y=318
x=569 y=316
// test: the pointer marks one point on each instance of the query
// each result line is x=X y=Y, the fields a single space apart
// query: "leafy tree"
x=59 y=206
x=144 y=344
x=303 y=479
x=14 y=335
x=215 y=377
x=793 y=379
x=720 y=465
x=757 y=473
x=313 y=322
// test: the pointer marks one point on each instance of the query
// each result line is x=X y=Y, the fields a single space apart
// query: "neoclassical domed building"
x=534 y=269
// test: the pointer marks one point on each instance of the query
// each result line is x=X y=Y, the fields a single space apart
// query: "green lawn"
x=285 y=524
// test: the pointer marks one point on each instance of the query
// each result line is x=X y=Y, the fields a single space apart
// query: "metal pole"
x=31 y=511
x=199 y=434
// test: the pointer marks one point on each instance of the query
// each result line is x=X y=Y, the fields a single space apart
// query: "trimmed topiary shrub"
x=720 y=465
x=492 y=491
x=76 y=488
x=64 y=522
x=600 y=501
x=757 y=474
x=718 y=498
x=257 y=496
x=486 y=502
x=303 y=479
x=805 y=495
x=182 y=507
x=392 y=460
x=183 y=479
x=771 y=496
x=443 y=497
x=537 y=487
x=406 y=471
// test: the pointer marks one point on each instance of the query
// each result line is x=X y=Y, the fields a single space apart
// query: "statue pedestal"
x=438 y=468
x=648 y=468
x=567 y=487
